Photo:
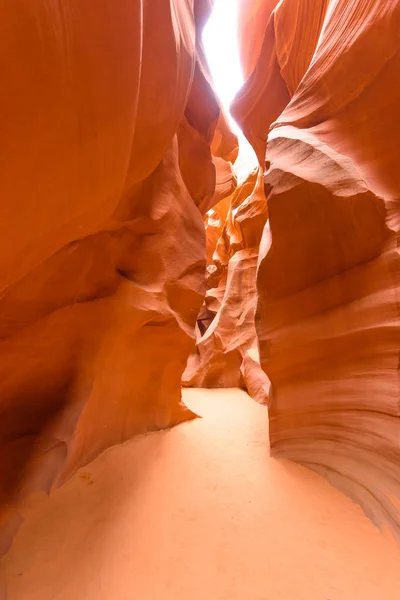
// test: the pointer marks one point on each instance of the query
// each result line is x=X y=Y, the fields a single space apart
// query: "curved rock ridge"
x=279 y=65
x=322 y=112
x=226 y=351
x=253 y=18
x=108 y=116
x=116 y=154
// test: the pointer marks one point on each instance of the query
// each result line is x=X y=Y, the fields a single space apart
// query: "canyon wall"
x=115 y=154
x=322 y=113
x=226 y=353
x=113 y=148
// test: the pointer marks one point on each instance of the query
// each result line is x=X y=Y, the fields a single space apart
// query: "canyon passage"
x=199 y=316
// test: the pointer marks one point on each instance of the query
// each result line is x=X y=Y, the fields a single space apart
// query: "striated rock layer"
x=325 y=107
x=108 y=116
x=226 y=352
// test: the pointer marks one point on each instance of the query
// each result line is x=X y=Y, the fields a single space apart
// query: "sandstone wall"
x=321 y=108
x=107 y=117
x=226 y=353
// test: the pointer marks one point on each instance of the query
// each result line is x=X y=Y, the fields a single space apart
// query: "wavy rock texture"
x=226 y=351
x=106 y=169
x=327 y=318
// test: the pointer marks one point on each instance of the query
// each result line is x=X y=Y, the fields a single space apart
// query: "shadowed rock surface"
x=322 y=112
x=108 y=116
x=134 y=257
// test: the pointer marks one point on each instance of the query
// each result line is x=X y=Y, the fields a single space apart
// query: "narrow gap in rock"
x=220 y=41
x=227 y=356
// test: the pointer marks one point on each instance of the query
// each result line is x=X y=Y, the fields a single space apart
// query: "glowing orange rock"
x=226 y=352
x=283 y=59
x=327 y=315
x=103 y=261
x=253 y=17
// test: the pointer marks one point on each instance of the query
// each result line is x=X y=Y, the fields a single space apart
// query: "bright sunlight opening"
x=220 y=39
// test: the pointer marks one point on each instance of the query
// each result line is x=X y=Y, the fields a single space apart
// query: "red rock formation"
x=226 y=353
x=105 y=105
x=114 y=148
x=253 y=18
x=328 y=309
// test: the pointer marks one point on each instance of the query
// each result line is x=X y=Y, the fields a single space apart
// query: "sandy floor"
x=200 y=513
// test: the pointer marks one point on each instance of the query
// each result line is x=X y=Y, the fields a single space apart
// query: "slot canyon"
x=199 y=307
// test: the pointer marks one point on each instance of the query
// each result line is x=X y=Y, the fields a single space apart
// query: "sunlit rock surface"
x=226 y=352
x=115 y=154
x=322 y=112
x=107 y=119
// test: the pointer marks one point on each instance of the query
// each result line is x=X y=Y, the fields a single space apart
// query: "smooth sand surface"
x=200 y=512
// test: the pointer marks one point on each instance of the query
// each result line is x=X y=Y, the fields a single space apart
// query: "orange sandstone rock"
x=102 y=269
x=282 y=61
x=327 y=316
x=226 y=353
x=253 y=18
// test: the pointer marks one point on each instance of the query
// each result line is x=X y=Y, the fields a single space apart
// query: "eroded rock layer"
x=226 y=352
x=325 y=108
x=108 y=116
